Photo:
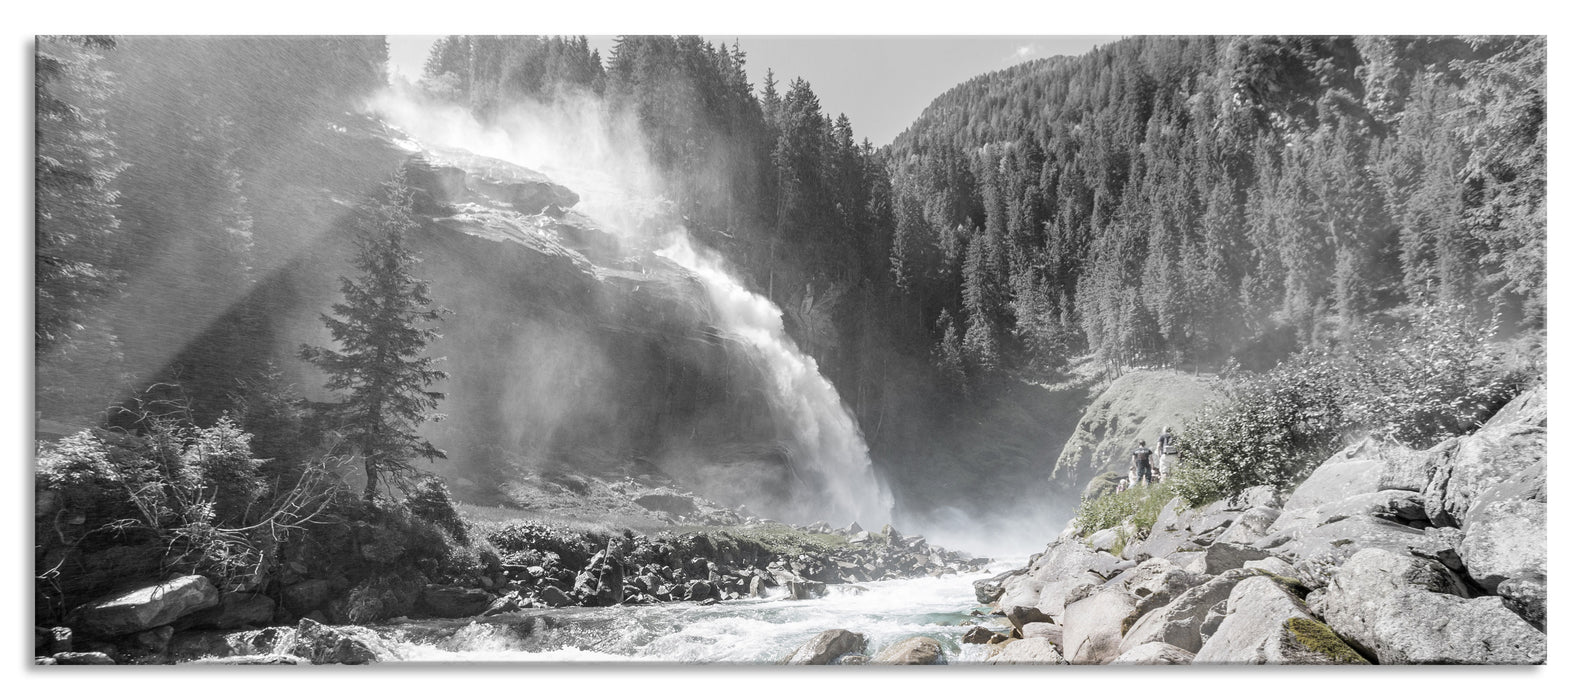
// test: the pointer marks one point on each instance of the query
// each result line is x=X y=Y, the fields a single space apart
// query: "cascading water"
x=827 y=445
x=582 y=146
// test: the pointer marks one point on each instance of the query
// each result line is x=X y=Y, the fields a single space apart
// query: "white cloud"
x=1023 y=53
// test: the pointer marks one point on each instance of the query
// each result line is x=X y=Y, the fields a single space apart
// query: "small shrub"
x=431 y=501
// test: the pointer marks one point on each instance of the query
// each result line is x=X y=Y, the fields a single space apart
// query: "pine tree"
x=382 y=329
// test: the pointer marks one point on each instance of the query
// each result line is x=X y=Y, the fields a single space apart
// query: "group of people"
x=1143 y=467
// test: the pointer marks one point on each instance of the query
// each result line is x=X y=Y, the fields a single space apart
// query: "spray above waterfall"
x=579 y=143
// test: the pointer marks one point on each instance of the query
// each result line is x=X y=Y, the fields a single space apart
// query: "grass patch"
x=1140 y=505
x=1317 y=636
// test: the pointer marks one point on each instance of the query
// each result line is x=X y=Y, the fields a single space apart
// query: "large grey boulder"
x=826 y=648
x=1505 y=533
x=1528 y=596
x=1154 y=654
x=322 y=644
x=1515 y=440
x=1179 y=621
x=1093 y=626
x=989 y=590
x=1028 y=651
x=1266 y=624
x=1350 y=472
x=455 y=601
x=1221 y=557
x=144 y=608
x=913 y=651
x=236 y=611
x=1402 y=609
x=1019 y=616
x=1249 y=526
x=1318 y=552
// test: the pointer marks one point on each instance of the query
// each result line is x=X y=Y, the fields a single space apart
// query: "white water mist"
x=602 y=156
x=827 y=446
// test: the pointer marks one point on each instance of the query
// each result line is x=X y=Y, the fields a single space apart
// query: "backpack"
x=1169 y=440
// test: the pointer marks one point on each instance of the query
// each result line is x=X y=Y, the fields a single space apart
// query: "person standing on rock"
x=1167 y=452
x=1142 y=463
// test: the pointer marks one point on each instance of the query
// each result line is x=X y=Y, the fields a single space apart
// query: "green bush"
x=1415 y=383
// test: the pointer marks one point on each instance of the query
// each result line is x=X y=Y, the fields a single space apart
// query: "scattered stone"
x=1028 y=651
x=914 y=651
x=322 y=644
x=1224 y=556
x=455 y=601
x=1020 y=615
x=1154 y=654
x=826 y=647
x=554 y=597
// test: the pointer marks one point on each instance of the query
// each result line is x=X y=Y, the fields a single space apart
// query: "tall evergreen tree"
x=383 y=328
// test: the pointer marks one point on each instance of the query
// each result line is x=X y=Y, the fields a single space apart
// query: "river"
x=744 y=631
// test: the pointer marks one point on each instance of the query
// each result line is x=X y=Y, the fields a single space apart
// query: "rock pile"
x=1382 y=555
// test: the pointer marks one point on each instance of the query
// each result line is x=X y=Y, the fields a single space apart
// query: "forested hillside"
x=1193 y=201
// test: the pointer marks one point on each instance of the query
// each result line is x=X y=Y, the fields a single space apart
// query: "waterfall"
x=827 y=446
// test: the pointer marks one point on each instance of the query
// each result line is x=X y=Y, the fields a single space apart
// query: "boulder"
x=1224 y=556
x=1105 y=540
x=1481 y=461
x=1179 y=622
x=305 y=596
x=144 y=608
x=1021 y=615
x=990 y=589
x=826 y=647
x=83 y=658
x=252 y=660
x=1350 y=472
x=1094 y=626
x=1266 y=624
x=154 y=641
x=1028 y=651
x=235 y=611
x=322 y=644
x=554 y=597
x=455 y=601
x=982 y=635
x=806 y=590
x=1401 y=609
x=1154 y=654
x=913 y=651
x=1249 y=526
x=1505 y=532
x=1316 y=554
x=1048 y=630
x=1528 y=596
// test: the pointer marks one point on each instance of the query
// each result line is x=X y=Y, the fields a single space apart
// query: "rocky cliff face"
x=1138 y=406
x=568 y=349
x=1384 y=555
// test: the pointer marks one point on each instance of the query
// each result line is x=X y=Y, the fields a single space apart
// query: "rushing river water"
x=750 y=631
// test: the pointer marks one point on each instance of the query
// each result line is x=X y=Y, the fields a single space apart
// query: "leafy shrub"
x=1140 y=505
x=431 y=501
x=1415 y=383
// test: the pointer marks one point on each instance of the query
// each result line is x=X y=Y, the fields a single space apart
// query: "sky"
x=881 y=83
